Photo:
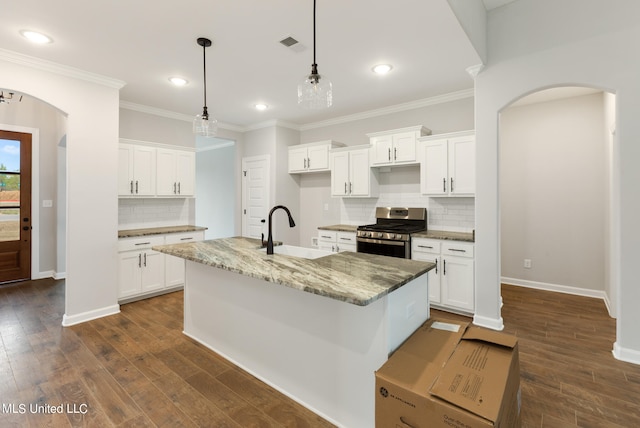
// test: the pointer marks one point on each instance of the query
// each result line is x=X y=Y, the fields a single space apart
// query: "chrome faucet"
x=270 y=238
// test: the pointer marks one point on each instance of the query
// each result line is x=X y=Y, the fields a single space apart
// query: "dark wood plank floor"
x=137 y=369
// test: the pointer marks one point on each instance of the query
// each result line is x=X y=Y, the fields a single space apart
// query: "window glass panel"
x=9 y=190
x=10 y=155
x=9 y=224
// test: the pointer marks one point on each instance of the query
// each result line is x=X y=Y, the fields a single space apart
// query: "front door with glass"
x=15 y=206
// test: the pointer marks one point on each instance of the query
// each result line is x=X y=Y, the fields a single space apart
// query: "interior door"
x=255 y=195
x=15 y=206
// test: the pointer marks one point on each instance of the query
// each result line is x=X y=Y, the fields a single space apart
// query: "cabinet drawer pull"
x=346 y=239
x=425 y=246
x=458 y=250
x=186 y=239
x=143 y=243
x=325 y=236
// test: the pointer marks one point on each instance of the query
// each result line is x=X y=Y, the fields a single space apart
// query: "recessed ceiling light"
x=382 y=68
x=261 y=107
x=35 y=37
x=178 y=81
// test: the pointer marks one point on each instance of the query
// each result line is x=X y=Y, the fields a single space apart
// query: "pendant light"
x=205 y=125
x=315 y=92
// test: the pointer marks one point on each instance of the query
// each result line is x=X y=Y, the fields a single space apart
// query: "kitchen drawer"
x=346 y=238
x=459 y=249
x=181 y=238
x=327 y=235
x=141 y=243
x=430 y=246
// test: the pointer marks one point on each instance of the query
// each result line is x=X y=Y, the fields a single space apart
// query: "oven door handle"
x=381 y=241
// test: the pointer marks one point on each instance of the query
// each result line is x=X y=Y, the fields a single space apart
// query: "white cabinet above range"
x=311 y=157
x=448 y=164
x=396 y=147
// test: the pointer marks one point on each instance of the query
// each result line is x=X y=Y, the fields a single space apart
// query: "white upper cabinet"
x=136 y=170
x=396 y=147
x=311 y=157
x=351 y=175
x=448 y=164
x=146 y=170
x=176 y=172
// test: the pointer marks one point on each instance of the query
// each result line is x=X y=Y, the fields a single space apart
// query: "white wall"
x=577 y=46
x=91 y=105
x=216 y=175
x=554 y=194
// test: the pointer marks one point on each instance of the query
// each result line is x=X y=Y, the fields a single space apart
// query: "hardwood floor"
x=137 y=369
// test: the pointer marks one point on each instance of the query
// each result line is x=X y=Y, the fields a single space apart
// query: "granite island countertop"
x=355 y=278
x=130 y=233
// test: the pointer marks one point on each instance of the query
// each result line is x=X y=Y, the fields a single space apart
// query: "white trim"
x=216 y=147
x=627 y=355
x=585 y=292
x=35 y=193
x=59 y=275
x=412 y=105
x=90 y=315
x=64 y=70
x=156 y=145
x=173 y=115
x=493 y=324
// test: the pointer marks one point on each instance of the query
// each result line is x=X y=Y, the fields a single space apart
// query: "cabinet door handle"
x=136 y=187
x=452 y=184
x=337 y=249
x=131 y=187
x=395 y=153
x=140 y=260
x=436 y=266
x=389 y=154
x=174 y=187
x=345 y=187
x=308 y=162
x=304 y=162
x=444 y=267
x=179 y=190
x=350 y=187
x=333 y=249
x=444 y=185
x=145 y=259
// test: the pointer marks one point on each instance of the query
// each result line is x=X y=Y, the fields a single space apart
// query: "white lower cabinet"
x=451 y=283
x=334 y=241
x=143 y=271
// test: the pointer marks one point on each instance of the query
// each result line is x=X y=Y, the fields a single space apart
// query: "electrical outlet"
x=527 y=263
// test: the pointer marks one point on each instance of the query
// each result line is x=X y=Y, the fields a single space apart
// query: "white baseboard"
x=627 y=355
x=50 y=274
x=492 y=323
x=585 y=292
x=68 y=320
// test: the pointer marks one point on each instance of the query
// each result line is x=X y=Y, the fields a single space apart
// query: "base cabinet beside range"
x=451 y=283
x=144 y=272
x=335 y=241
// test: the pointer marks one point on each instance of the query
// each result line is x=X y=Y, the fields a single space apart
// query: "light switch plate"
x=47 y=203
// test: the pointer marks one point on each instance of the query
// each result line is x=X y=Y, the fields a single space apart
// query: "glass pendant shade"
x=315 y=92
x=205 y=126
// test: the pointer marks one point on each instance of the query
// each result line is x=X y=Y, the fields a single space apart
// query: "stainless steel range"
x=391 y=234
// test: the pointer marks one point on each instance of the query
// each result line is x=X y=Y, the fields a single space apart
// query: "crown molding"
x=272 y=123
x=64 y=70
x=173 y=115
x=412 y=105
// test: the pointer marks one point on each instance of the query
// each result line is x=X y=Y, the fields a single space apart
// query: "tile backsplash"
x=156 y=212
x=453 y=214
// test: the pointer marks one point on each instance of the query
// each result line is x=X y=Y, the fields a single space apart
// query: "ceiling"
x=144 y=43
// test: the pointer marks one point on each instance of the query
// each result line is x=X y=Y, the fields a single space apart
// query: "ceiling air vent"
x=293 y=44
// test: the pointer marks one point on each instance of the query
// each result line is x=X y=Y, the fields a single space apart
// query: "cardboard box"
x=450 y=374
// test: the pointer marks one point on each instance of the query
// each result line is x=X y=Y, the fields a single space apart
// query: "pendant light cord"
x=314 y=32
x=204 y=72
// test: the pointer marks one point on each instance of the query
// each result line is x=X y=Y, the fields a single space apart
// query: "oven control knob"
x=394 y=236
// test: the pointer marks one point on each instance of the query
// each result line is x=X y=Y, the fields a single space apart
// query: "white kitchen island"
x=314 y=329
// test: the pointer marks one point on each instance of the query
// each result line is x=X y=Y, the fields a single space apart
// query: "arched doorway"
x=555 y=148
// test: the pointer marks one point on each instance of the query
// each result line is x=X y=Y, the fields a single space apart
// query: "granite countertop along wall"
x=158 y=231
x=355 y=278
x=443 y=234
x=340 y=228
